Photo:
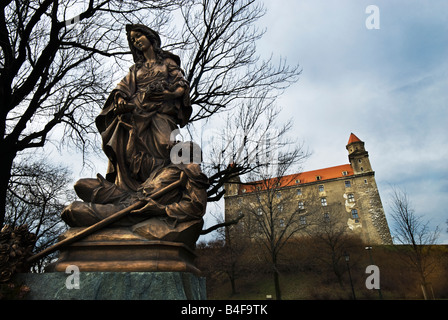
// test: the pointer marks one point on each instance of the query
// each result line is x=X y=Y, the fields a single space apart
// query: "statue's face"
x=140 y=41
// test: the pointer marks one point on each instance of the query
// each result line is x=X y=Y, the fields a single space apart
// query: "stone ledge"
x=120 y=250
x=114 y=286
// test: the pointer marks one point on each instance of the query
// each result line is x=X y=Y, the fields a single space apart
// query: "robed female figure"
x=141 y=113
x=136 y=126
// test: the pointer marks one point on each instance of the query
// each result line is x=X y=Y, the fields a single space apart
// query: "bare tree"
x=218 y=45
x=37 y=192
x=55 y=66
x=54 y=70
x=230 y=260
x=329 y=237
x=416 y=236
x=273 y=215
x=246 y=143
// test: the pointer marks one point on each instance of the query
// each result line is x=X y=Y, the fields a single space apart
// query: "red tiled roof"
x=304 y=177
x=352 y=139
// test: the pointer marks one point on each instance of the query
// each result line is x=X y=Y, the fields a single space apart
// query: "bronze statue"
x=141 y=113
x=143 y=110
x=144 y=197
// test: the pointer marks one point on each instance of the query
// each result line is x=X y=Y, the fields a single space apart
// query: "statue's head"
x=156 y=43
x=150 y=34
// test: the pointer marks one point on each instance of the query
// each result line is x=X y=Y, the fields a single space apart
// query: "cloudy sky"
x=389 y=86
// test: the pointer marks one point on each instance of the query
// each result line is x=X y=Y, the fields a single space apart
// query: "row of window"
x=302 y=207
x=321 y=188
x=299 y=191
x=347 y=183
x=326 y=216
x=301 y=204
x=323 y=201
x=302 y=219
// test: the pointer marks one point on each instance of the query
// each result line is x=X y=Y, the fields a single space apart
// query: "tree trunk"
x=5 y=175
x=232 y=277
x=428 y=293
x=278 y=293
x=232 y=282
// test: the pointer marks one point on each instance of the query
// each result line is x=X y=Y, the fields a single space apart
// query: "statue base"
x=113 y=286
x=121 y=250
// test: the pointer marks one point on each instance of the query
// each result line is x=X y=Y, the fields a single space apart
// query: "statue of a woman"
x=143 y=110
x=136 y=126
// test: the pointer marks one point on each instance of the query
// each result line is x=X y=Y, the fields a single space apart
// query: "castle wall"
x=349 y=198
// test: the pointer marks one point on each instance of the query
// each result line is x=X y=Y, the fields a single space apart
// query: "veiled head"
x=150 y=34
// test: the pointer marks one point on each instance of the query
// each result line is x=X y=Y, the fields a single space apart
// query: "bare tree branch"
x=221 y=225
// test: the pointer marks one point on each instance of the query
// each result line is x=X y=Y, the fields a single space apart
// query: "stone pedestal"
x=120 y=264
x=113 y=286
x=121 y=250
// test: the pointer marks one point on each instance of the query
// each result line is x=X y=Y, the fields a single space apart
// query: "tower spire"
x=353 y=138
x=357 y=155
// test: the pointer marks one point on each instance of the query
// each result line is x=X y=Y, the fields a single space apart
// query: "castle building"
x=346 y=195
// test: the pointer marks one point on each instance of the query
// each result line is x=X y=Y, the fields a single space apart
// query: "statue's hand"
x=152 y=207
x=175 y=94
x=122 y=106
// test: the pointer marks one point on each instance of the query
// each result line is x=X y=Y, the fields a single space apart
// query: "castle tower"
x=368 y=206
x=346 y=193
x=357 y=155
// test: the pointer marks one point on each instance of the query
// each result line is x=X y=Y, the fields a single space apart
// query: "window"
x=282 y=223
x=301 y=205
x=318 y=178
x=302 y=220
x=344 y=173
x=321 y=188
x=259 y=211
x=362 y=169
x=355 y=214
x=365 y=181
x=244 y=190
x=299 y=192
x=359 y=161
x=280 y=208
x=279 y=194
x=323 y=201
x=348 y=184
x=326 y=217
x=351 y=197
x=297 y=181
